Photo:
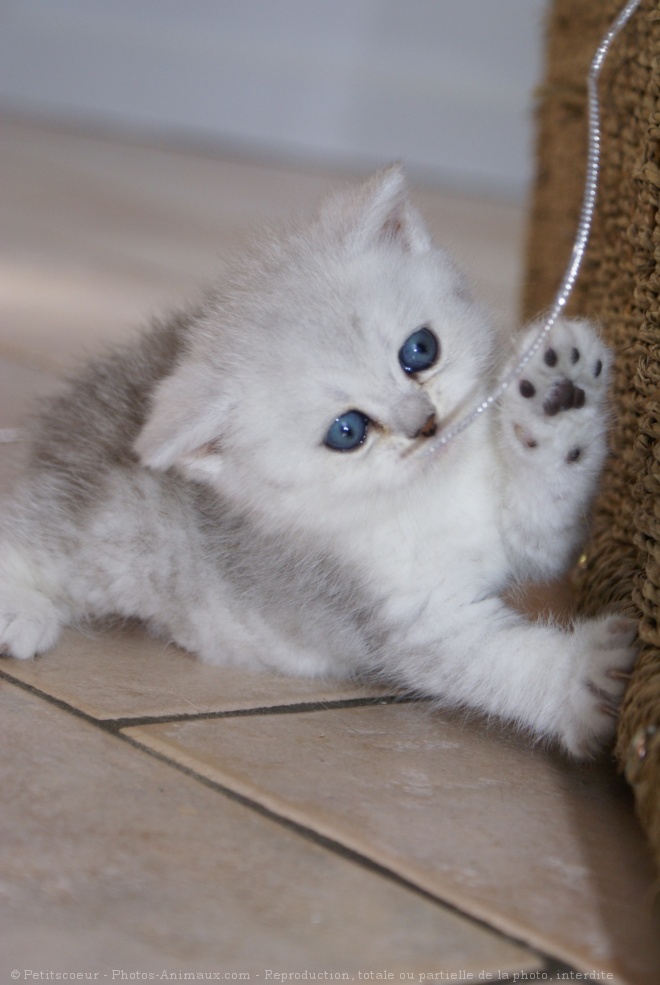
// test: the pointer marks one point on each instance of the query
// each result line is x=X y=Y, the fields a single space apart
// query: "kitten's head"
x=315 y=379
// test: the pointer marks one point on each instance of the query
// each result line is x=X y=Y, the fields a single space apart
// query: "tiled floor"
x=160 y=815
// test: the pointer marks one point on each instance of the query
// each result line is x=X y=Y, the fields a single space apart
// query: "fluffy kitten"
x=256 y=481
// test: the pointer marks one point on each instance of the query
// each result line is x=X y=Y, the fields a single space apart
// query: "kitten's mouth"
x=420 y=444
x=432 y=443
x=429 y=428
x=451 y=427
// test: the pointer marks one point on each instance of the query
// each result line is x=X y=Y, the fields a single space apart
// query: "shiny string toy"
x=581 y=237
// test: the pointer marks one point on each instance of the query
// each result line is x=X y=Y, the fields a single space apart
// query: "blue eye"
x=419 y=351
x=347 y=431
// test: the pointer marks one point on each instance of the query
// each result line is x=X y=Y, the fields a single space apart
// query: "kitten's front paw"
x=570 y=374
x=605 y=654
x=29 y=623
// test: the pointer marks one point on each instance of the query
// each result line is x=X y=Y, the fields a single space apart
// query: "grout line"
x=292 y=708
x=303 y=707
x=51 y=699
x=112 y=726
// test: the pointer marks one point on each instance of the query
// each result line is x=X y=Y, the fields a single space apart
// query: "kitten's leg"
x=560 y=684
x=552 y=440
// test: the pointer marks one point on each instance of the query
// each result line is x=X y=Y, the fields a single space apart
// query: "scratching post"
x=618 y=287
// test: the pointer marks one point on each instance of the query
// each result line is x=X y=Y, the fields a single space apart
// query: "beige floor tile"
x=122 y=674
x=113 y=860
x=544 y=850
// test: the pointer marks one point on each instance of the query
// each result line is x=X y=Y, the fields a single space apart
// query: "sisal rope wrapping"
x=619 y=287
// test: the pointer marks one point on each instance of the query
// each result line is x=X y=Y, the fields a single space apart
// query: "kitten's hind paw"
x=29 y=623
x=605 y=652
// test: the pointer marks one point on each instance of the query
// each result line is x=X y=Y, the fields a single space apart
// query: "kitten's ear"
x=379 y=211
x=185 y=425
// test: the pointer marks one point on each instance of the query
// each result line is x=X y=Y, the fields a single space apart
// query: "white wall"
x=445 y=85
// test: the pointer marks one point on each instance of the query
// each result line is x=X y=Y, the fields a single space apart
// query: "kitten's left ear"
x=379 y=211
x=185 y=425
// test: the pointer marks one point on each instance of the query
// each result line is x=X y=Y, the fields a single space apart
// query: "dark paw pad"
x=563 y=396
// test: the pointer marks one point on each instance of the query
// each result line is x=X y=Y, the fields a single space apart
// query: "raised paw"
x=604 y=653
x=559 y=399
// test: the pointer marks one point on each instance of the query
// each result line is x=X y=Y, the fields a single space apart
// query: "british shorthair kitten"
x=259 y=480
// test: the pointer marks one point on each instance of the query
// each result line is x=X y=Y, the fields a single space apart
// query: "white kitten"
x=254 y=480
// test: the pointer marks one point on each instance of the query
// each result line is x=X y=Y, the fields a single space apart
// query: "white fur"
x=383 y=560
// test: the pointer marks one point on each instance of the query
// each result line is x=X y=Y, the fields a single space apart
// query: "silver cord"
x=581 y=237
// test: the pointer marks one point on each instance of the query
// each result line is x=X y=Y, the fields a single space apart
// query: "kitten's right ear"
x=185 y=425
x=378 y=211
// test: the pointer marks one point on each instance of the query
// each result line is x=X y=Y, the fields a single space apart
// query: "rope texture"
x=619 y=287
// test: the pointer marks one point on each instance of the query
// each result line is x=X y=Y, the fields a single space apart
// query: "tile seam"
x=286 y=708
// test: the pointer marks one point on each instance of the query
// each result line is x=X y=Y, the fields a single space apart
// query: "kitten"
x=257 y=481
